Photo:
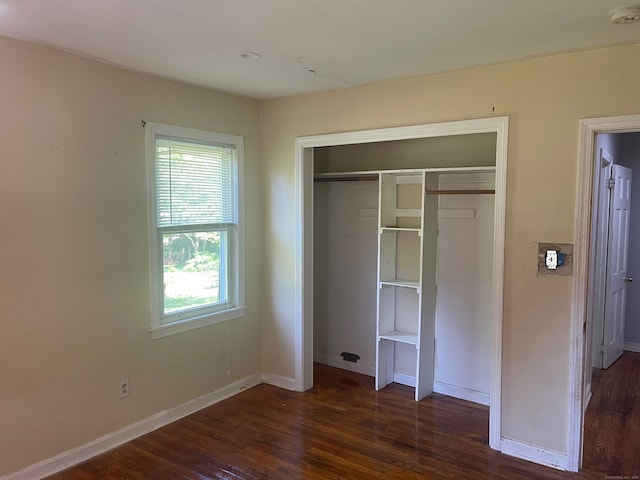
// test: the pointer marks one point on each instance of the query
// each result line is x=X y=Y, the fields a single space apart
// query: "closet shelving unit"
x=407 y=265
x=407 y=257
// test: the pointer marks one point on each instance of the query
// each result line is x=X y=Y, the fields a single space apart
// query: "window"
x=195 y=227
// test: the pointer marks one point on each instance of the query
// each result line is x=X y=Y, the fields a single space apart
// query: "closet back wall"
x=465 y=269
x=345 y=252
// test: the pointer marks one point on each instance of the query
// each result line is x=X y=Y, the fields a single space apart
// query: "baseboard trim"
x=112 y=440
x=446 y=389
x=403 y=379
x=534 y=454
x=338 y=362
x=632 y=347
x=461 y=392
x=279 y=381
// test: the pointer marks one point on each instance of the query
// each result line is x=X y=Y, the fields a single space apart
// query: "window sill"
x=193 y=323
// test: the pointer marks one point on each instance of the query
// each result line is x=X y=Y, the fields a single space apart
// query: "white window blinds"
x=194 y=183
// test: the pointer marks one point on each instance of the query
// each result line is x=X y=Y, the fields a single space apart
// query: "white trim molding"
x=191 y=324
x=534 y=453
x=338 y=362
x=304 y=239
x=286 y=383
x=170 y=323
x=632 y=347
x=462 y=393
x=408 y=380
x=446 y=389
x=500 y=206
x=404 y=379
x=588 y=128
x=115 y=439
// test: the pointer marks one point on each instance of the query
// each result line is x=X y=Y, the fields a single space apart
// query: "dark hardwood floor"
x=612 y=420
x=342 y=429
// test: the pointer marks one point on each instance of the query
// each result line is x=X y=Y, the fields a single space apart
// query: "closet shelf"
x=400 y=229
x=396 y=282
x=400 y=336
x=404 y=173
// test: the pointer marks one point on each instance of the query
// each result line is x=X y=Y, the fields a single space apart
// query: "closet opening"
x=401 y=258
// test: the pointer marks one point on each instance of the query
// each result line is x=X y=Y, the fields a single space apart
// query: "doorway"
x=588 y=298
x=613 y=263
x=305 y=251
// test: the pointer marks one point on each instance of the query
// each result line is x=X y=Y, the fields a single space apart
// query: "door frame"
x=303 y=287
x=581 y=323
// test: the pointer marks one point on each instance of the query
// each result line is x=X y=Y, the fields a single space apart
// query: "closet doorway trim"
x=304 y=240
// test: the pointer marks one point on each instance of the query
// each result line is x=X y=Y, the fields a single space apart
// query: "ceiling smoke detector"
x=625 y=15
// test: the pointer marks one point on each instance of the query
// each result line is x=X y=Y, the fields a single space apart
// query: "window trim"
x=236 y=302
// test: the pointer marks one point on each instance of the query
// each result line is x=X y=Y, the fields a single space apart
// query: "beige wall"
x=544 y=99
x=472 y=150
x=73 y=253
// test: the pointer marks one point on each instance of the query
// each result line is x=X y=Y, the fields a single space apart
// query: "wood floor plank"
x=343 y=429
x=612 y=421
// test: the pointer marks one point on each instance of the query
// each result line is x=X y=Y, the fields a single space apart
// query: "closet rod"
x=350 y=178
x=460 y=192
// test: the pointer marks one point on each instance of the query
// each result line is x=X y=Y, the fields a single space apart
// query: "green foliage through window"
x=191 y=274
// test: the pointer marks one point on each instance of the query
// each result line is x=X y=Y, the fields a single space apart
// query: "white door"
x=615 y=294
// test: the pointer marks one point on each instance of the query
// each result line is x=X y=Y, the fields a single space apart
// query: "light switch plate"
x=550 y=252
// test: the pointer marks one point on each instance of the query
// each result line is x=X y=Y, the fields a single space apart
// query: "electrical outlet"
x=555 y=259
x=123 y=390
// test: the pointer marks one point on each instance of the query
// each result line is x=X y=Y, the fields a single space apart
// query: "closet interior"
x=403 y=262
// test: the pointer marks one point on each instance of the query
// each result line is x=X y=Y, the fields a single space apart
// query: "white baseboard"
x=462 y=393
x=534 y=454
x=446 y=389
x=403 y=379
x=338 y=362
x=112 y=440
x=632 y=347
x=281 y=382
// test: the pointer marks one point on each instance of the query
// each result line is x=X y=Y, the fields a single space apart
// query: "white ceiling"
x=311 y=45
